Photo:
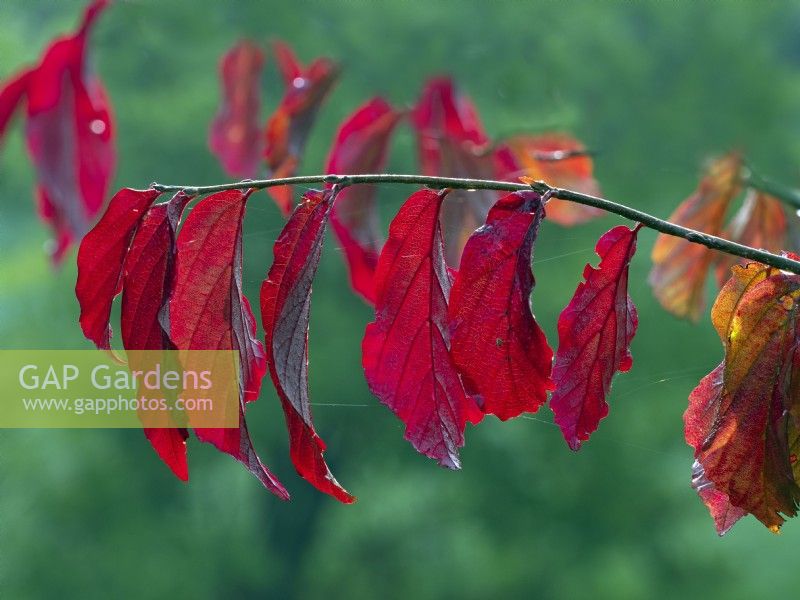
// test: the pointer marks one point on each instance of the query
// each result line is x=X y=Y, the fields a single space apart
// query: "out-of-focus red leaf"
x=451 y=143
x=499 y=349
x=739 y=414
x=147 y=283
x=285 y=310
x=208 y=311
x=11 y=96
x=68 y=132
x=760 y=223
x=406 y=354
x=235 y=134
x=288 y=64
x=290 y=124
x=680 y=266
x=361 y=146
x=594 y=335
x=101 y=259
x=553 y=158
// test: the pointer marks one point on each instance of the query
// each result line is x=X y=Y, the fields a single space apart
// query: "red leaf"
x=451 y=143
x=288 y=64
x=208 y=311
x=147 y=283
x=497 y=345
x=740 y=413
x=11 y=96
x=725 y=515
x=235 y=135
x=537 y=157
x=285 y=309
x=69 y=134
x=406 y=354
x=101 y=258
x=594 y=334
x=290 y=124
x=698 y=420
x=361 y=146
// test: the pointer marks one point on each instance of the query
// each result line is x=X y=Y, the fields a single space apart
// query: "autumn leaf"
x=594 y=335
x=235 y=134
x=361 y=146
x=680 y=266
x=405 y=351
x=101 y=259
x=499 y=349
x=760 y=223
x=69 y=133
x=285 y=311
x=147 y=282
x=290 y=124
x=725 y=515
x=556 y=159
x=451 y=143
x=208 y=311
x=11 y=96
x=738 y=417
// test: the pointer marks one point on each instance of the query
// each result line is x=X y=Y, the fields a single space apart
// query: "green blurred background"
x=657 y=87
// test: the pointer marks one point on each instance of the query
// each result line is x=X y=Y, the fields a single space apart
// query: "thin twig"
x=648 y=220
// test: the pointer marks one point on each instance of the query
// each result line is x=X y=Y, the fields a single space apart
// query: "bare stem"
x=780 y=191
x=648 y=220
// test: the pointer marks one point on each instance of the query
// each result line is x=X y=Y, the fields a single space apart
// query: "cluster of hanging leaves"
x=680 y=267
x=451 y=142
x=743 y=419
x=447 y=346
x=69 y=133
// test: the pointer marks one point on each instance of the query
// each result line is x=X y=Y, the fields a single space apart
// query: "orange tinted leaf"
x=540 y=159
x=760 y=223
x=679 y=266
x=288 y=127
x=738 y=416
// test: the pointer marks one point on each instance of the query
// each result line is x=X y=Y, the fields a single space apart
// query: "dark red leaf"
x=147 y=283
x=406 y=354
x=451 y=143
x=285 y=310
x=496 y=344
x=594 y=335
x=290 y=124
x=69 y=135
x=101 y=258
x=235 y=135
x=208 y=311
x=361 y=146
